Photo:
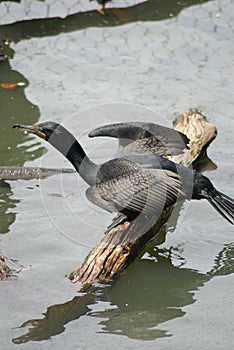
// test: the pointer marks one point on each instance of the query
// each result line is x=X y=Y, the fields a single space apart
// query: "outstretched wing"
x=137 y=190
x=144 y=137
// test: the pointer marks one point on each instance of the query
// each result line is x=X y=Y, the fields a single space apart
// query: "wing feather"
x=137 y=190
x=144 y=137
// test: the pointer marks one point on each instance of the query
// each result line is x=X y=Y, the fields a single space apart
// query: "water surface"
x=141 y=61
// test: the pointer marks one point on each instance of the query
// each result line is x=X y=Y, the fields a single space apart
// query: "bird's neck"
x=83 y=165
x=73 y=151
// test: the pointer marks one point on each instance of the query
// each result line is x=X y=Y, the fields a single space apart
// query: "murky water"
x=141 y=61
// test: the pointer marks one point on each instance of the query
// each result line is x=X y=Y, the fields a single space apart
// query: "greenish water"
x=144 y=61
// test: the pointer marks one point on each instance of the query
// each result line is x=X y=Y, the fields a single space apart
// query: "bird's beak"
x=33 y=129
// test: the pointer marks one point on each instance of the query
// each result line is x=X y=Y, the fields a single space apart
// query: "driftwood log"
x=122 y=244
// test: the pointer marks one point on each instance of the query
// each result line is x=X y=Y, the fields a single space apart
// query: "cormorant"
x=133 y=184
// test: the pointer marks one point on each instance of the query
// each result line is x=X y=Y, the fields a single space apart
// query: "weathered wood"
x=122 y=244
x=5 y=270
x=201 y=133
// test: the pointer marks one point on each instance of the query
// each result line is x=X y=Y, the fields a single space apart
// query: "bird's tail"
x=223 y=204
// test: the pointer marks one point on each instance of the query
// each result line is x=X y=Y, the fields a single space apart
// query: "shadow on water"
x=151 y=292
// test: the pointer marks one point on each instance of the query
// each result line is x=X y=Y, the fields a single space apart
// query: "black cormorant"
x=133 y=183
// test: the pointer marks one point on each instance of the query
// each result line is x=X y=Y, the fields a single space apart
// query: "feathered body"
x=136 y=183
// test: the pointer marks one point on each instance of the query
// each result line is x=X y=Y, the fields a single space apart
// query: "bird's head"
x=65 y=143
x=43 y=130
x=55 y=134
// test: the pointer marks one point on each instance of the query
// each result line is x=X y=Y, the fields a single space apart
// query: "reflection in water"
x=7 y=203
x=151 y=292
x=150 y=10
x=154 y=293
x=14 y=108
x=12 y=151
